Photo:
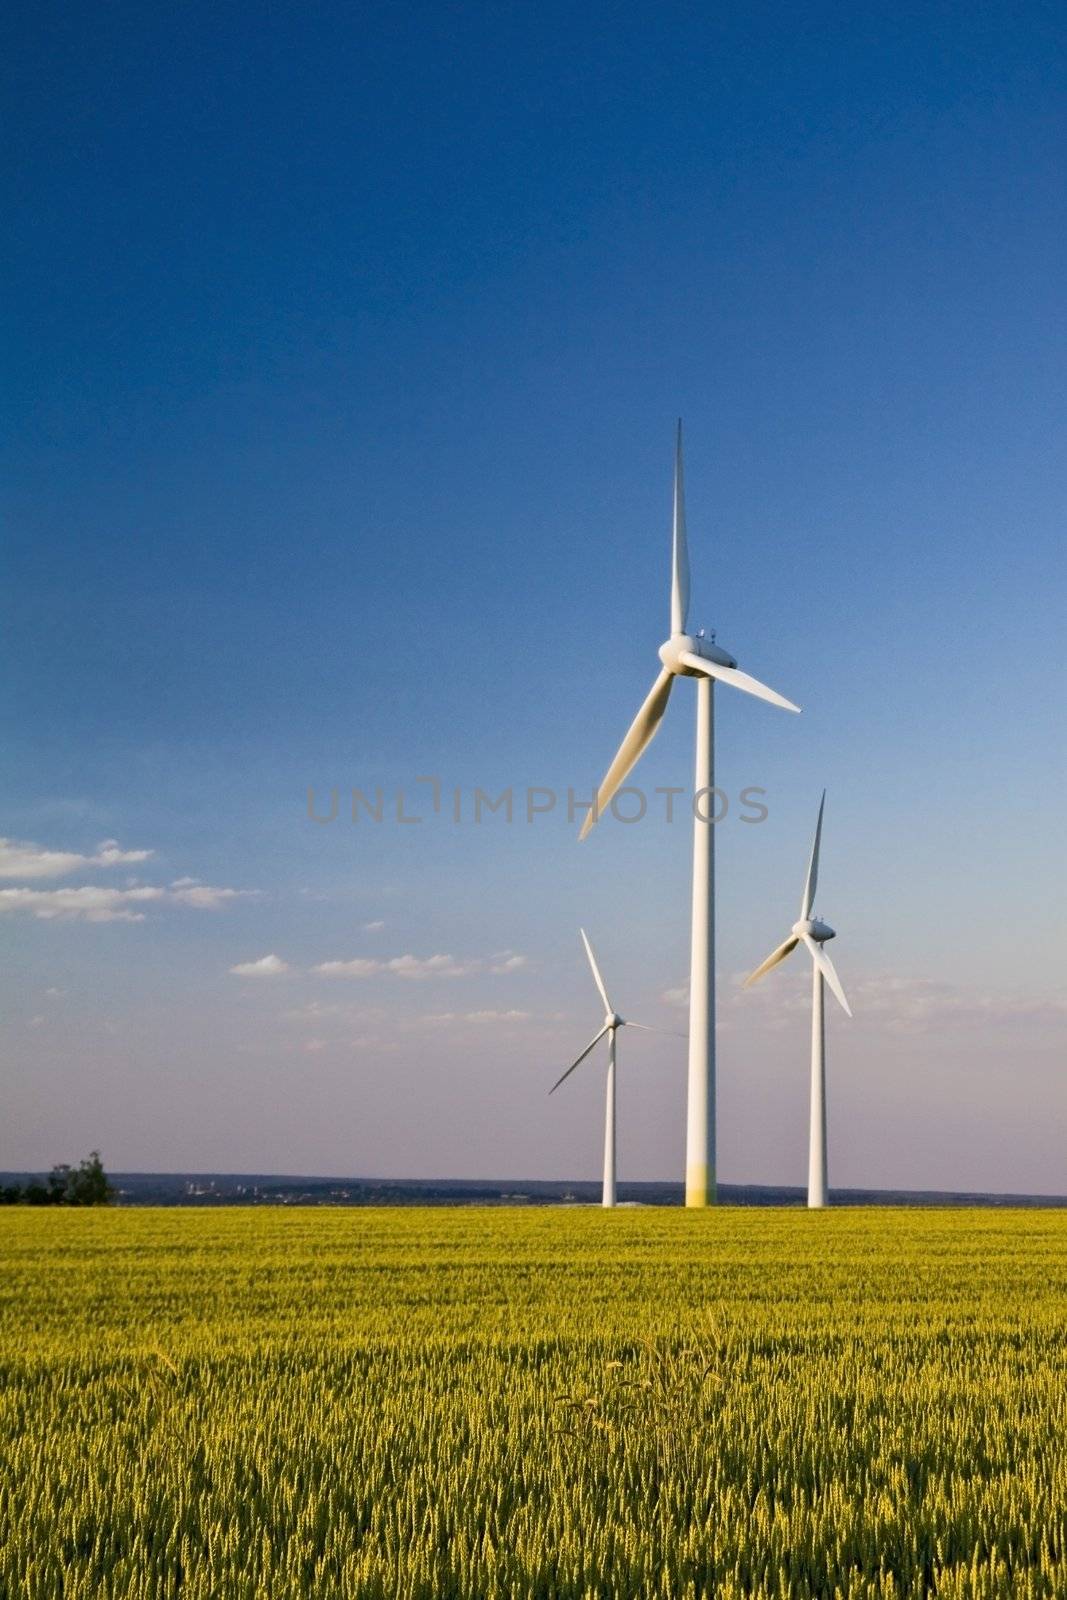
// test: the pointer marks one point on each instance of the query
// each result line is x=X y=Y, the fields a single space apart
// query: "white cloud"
x=91 y=904
x=317 y=1011
x=676 y=997
x=373 y=927
x=360 y=968
x=205 y=897
x=379 y=1044
x=416 y=967
x=95 y=903
x=21 y=860
x=894 y=1003
x=271 y=966
x=109 y=853
x=430 y=967
x=406 y=966
x=925 y=1005
x=507 y=961
x=479 y=1016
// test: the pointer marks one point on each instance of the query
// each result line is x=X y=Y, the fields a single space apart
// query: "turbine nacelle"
x=813 y=928
x=613 y=1020
x=672 y=653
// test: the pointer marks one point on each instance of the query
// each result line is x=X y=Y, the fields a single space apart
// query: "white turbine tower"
x=813 y=934
x=685 y=655
x=611 y=1025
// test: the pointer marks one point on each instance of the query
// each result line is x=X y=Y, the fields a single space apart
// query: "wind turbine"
x=813 y=934
x=685 y=655
x=612 y=1023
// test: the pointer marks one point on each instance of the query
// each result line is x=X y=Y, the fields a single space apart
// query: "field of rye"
x=421 y=1404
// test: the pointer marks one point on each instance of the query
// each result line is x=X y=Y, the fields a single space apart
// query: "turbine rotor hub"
x=672 y=649
x=815 y=929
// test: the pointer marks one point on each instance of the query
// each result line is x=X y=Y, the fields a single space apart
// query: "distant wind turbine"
x=813 y=934
x=685 y=655
x=612 y=1023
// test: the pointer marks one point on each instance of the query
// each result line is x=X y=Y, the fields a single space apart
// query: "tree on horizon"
x=87 y=1184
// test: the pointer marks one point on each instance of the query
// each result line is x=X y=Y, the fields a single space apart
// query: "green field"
x=426 y=1403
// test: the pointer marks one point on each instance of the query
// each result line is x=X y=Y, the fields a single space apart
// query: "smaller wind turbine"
x=611 y=1025
x=813 y=934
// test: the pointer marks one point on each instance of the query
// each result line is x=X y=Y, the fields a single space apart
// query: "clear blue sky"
x=342 y=352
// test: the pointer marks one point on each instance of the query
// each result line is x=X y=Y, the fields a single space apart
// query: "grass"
x=269 y=1404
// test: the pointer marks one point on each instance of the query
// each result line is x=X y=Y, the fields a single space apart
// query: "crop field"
x=272 y=1404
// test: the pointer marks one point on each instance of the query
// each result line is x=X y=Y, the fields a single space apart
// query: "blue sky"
x=342 y=352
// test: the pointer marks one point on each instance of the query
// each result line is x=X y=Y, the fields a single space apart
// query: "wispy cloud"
x=406 y=966
x=925 y=1005
x=418 y=967
x=501 y=964
x=33 y=861
x=205 y=896
x=321 y=1011
x=271 y=966
x=431 y=967
x=446 y=1017
x=91 y=904
x=374 y=927
x=343 y=1044
x=95 y=903
x=897 y=1004
x=359 y=967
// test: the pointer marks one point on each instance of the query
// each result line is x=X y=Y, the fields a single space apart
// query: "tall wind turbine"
x=813 y=934
x=611 y=1025
x=685 y=655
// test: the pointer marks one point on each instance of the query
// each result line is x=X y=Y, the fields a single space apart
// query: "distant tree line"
x=84 y=1185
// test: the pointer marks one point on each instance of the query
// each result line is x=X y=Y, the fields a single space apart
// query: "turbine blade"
x=813 y=868
x=597 y=979
x=636 y=741
x=680 y=553
x=580 y=1059
x=773 y=959
x=826 y=967
x=737 y=680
